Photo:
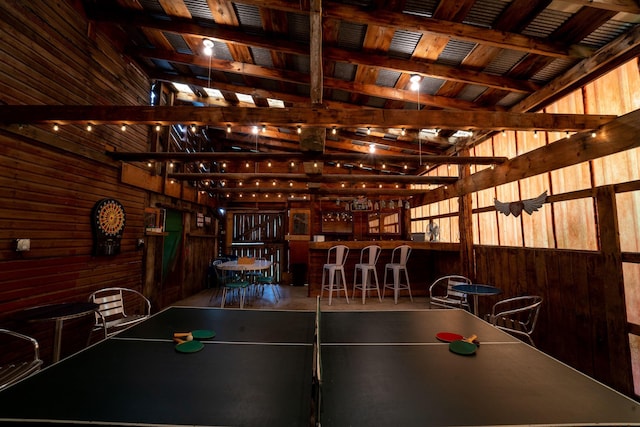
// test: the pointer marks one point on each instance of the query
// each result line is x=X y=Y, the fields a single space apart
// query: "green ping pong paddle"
x=189 y=347
x=465 y=346
x=203 y=334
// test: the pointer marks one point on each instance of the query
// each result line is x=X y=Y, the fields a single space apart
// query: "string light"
x=403 y=132
x=157 y=128
x=334 y=131
x=56 y=127
x=123 y=128
x=299 y=130
x=368 y=131
x=89 y=127
x=228 y=128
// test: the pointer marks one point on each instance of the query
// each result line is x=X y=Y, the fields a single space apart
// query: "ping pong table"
x=296 y=368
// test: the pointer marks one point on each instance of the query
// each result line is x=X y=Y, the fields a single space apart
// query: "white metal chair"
x=367 y=268
x=398 y=265
x=26 y=361
x=517 y=316
x=442 y=294
x=119 y=308
x=334 y=269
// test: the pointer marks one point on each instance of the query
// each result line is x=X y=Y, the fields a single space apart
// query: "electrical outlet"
x=23 y=245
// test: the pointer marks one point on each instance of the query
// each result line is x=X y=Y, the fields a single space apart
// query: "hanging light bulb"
x=299 y=130
x=123 y=128
x=228 y=128
x=372 y=148
x=368 y=131
x=208 y=46
x=403 y=132
x=56 y=128
x=334 y=131
x=415 y=82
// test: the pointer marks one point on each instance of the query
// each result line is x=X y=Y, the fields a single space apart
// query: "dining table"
x=476 y=290
x=58 y=313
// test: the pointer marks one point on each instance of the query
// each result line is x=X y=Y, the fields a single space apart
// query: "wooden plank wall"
x=574 y=325
x=50 y=181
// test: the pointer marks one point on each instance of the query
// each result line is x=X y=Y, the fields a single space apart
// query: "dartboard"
x=109 y=217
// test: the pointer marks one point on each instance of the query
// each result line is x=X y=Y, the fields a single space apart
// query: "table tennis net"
x=317 y=370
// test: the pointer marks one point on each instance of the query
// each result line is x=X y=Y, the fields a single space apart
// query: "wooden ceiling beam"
x=165 y=115
x=229 y=35
x=293 y=77
x=314 y=178
x=626 y=6
x=324 y=191
x=298 y=156
x=404 y=21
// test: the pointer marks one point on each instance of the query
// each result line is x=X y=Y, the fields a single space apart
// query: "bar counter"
x=428 y=261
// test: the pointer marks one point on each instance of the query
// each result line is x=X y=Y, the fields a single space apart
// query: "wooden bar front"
x=423 y=265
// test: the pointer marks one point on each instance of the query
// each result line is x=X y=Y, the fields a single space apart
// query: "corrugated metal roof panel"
x=430 y=85
x=298 y=27
x=261 y=56
x=421 y=7
x=387 y=78
x=221 y=51
x=471 y=92
x=376 y=102
x=455 y=52
x=301 y=63
x=351 y=35
x=504 y=62
x=249 y=18
x=177 y=42
x=404 y=44
x=344 y=71
x=511 y=99
x=606 y=33
x=555 y=68
x=152 y=5
x=340 y=95
x=546 y=23
x=484 y=12
x=198 y=9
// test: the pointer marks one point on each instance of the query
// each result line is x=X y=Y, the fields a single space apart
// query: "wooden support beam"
x=324 y=191
x=619 y=135
x=165 y=115
x=301 y=177
x=285 y=157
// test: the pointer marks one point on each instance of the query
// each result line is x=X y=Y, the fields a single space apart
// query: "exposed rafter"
x=481 y=120
x=252 y=157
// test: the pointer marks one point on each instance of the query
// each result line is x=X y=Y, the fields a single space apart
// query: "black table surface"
x=56 y=311
x=417 y=381
x=378 y=369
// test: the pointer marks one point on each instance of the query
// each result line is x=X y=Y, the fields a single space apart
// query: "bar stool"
x=399 y=258
x=335 y=264
x=367 y=267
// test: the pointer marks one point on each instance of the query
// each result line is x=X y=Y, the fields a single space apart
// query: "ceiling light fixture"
x=415 y=82
x=299 y=130
x=403 y=132
x=334 y=131
x=56 y=128
x=228 y=128
x=208 y=46
x=123 y=128
x=372 y=148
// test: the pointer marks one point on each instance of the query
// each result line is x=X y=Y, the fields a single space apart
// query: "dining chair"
x=231 y=287
x=118 y=308
x=442 y=294
x=517 y=316
x=20 y=359
x=398 y=267
x=268 y=280
x=333 y=270
x=367 y=269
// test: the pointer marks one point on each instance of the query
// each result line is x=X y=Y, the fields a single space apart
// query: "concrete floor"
x=295 y=298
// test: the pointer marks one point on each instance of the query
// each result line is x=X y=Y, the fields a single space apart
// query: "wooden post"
x=612 y=352
x=465 y=227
